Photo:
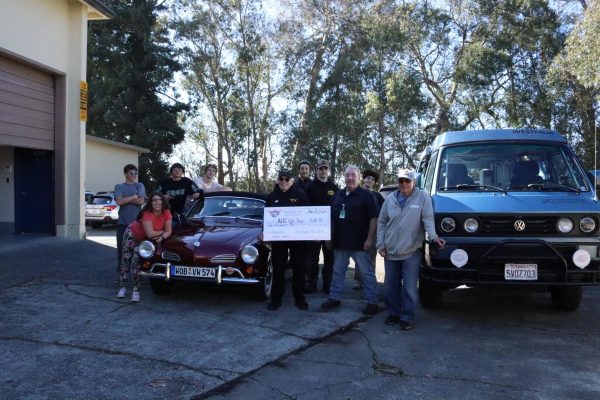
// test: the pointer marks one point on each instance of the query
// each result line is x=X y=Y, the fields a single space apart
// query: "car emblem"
x=519 y=225
x=197 y=244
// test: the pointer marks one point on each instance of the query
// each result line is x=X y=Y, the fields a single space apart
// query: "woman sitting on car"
x=154 y=223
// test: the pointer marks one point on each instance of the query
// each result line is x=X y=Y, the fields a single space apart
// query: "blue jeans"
x=400 y=286
x=363 y=262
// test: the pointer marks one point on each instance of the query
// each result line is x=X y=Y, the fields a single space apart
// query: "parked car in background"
x=387 y=189
x=101 y=209
x=218 y=242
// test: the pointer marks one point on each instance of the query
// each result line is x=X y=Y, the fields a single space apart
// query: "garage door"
x=26 y=106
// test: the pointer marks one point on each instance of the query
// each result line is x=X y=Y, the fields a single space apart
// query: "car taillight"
x=109 y=208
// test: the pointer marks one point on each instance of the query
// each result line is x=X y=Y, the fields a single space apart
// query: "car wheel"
x=430 y=294
x=566 y=298
x=263 y=290
x=96 y=225
x=160 y=287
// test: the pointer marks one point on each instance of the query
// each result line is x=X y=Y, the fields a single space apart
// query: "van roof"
x=454 y=137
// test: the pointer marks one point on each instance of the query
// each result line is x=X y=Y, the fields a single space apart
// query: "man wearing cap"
x=320 y=193
x=286 y=195
x=354 y=220
x=303 y=179
x=406 y=215
x=178 y=187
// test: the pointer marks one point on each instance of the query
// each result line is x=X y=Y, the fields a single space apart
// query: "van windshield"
x=505 y=166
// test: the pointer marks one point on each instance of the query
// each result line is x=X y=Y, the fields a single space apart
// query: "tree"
x=130 y=70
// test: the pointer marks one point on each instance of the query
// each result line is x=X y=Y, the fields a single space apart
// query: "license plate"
x=93 y=211
x=520 y=272
x=194 y=272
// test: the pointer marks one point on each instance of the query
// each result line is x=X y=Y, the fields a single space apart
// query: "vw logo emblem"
x=519 y=225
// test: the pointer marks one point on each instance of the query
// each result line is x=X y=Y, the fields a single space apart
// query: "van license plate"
x=194 y=272
x=520 y=272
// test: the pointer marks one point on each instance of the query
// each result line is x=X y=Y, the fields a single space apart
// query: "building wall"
x=7 y=189
x=104 y=165
x=52 y=36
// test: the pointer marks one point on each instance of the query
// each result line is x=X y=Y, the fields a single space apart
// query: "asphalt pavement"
x=64 y=335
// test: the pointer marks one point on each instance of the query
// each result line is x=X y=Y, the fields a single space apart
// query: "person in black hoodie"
x=320 y=193
x=284 y=195
x=178 y=187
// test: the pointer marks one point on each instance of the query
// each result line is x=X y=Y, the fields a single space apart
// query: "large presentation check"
x=297 y=223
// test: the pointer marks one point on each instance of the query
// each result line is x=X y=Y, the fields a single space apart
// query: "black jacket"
x=292 y=198
x=321 y=193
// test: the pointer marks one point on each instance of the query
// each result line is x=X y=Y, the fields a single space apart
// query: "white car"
x=101 y=209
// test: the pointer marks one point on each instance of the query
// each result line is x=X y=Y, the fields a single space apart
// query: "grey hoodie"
x=401 y=231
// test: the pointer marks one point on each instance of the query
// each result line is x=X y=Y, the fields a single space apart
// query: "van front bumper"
x=489 y=259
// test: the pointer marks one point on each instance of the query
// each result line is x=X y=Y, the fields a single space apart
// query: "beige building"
x=43 y=50
x=105 y=160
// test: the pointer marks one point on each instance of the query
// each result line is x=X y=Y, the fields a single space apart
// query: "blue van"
x=516 y=208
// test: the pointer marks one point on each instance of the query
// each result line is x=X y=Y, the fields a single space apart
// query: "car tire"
x=566 y=298
x=262 y=291
x=159 y=287
x=96 y=225
x=430 y=294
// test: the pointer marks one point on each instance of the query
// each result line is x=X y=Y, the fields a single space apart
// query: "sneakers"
x=330 y=303
x=405 y=325
x=370 y=309
x=392 y=320
x=122 y=293
x=135 y=296
x=301 y=304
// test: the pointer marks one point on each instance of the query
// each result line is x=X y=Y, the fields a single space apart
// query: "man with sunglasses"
x=130 y=196
x=405 y=216
x=286 y=194
x=320 y=193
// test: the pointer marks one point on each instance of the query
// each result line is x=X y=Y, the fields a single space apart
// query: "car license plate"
x=194 y=272
x=520 y=272
x=94 y=211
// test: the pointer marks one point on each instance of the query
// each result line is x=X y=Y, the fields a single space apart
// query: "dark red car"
x=218 y=242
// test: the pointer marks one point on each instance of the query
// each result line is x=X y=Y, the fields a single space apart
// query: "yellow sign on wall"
x=83 y=101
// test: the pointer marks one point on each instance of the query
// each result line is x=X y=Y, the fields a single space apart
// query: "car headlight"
x=564 y=225
x=471 y=225
x=249 y=254
x=587 y=224
x=448 y=224
x=146 y=249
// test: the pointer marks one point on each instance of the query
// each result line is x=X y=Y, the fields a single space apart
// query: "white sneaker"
x=122 y=293
x=135 y=296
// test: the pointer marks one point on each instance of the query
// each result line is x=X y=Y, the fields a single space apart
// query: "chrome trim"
x=223 y=258
x=170 y=256
x=167 y=272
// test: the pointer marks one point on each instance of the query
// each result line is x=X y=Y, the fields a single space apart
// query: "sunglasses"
x=284 y=179
x=323 y=168
x=403 y=180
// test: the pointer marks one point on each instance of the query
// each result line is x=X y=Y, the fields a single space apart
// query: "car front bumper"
x=222 y=275
x=488 y=259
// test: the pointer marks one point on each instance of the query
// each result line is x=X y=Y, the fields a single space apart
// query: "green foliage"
x=130 y=70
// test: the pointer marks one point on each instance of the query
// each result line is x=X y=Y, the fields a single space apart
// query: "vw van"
x=516 y=209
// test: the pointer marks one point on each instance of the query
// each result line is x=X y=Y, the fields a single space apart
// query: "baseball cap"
x=407 y=174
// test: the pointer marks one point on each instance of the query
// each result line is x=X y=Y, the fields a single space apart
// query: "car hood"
x=497 y=202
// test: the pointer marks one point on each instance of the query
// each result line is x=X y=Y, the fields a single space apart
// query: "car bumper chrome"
x=223 y=275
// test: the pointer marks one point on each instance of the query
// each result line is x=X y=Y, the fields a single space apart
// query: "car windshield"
x=100 y=200
x=224 y=206
x=510 y=167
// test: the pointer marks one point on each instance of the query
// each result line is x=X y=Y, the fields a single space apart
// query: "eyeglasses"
x=134 y=173
x=403 y=181
x=157 y=200
x=284 y=179
x=323 y=168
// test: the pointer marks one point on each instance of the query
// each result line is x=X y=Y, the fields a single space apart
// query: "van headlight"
x=471 y=225
x=564 y=225
x=146 y=249
x=587 y=224
x=448 y=224
x=249 y=254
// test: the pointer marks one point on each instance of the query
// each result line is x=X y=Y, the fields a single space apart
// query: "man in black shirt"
x=354 y=221
x=303 y=179
x=286 y=195
x=320 y=193
x=178 y=187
